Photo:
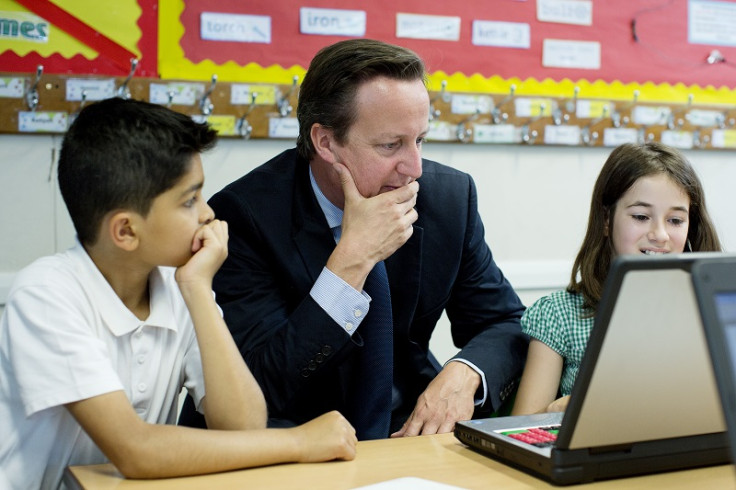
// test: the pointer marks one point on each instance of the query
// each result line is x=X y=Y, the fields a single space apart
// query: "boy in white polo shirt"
x=97 y=342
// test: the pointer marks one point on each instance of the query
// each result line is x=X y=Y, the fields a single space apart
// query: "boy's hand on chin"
x=209 y=249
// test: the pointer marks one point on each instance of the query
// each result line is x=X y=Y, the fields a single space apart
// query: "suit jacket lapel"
x=312 y=235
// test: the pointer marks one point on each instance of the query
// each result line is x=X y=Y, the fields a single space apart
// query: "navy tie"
x=371 y=401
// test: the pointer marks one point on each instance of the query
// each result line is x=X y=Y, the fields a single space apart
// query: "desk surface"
x=439 y=458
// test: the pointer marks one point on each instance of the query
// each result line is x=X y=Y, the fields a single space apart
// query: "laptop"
x=645 y=399
x=715 y=290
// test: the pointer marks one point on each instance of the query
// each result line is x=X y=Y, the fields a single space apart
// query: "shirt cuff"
x=340 y=300
x=484 y=391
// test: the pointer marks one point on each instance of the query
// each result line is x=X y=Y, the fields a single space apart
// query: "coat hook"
x=723 y=121
x=616 y=119
x=205 y=104
x=435 y=113
x=675 y=119
x=700 y=140
x=123 y=90
x=528 y=135
x=283 y=104
x=462 y=132
x=82 y=102
x=588 y=137
x=31 y=95
x=643 y=136
x=559 y=116
x=243 y=127
x=496 y=115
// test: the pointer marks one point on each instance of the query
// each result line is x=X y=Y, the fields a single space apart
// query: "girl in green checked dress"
x=647 y=200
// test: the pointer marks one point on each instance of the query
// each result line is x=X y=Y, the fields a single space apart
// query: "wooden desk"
x=440 y=458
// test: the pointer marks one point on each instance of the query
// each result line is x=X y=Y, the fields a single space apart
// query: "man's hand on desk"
x=327 y=437
x=447 y=399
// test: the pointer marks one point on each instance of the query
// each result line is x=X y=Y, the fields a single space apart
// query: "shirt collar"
x=117 y=317
x=332 y=213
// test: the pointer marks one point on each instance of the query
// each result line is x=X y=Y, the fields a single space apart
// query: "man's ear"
x=121 y=227
x=323 y=141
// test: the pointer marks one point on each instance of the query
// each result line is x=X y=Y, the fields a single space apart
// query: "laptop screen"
x=726 y=308
x=646 y=374
x=715 y=284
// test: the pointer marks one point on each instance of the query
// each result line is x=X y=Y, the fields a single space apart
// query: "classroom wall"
x=533 y=200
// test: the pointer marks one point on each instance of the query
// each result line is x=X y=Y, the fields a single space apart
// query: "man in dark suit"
x=309 y=226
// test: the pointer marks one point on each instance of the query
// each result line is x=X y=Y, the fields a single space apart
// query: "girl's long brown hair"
x=625 y=165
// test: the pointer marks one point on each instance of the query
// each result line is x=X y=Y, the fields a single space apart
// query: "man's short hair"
x=327 y=93
x=122 y=154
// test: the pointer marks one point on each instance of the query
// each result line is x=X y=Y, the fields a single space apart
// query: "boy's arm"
x=233 y=400
x=142 y=450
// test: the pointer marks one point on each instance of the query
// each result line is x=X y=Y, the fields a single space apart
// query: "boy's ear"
x=121 y=227
x=323 y=141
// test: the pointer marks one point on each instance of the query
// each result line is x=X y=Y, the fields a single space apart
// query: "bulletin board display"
x=79 y=37
x=651 y=82
x=643 y=47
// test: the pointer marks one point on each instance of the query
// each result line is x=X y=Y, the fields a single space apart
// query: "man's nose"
x=411 y=164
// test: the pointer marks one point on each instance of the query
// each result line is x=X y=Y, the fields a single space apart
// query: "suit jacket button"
x=327 y=350
x=305 y=373
x=312 y=366
x=319 y=357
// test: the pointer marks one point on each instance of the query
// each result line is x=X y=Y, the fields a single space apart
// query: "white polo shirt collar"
x=117 y=317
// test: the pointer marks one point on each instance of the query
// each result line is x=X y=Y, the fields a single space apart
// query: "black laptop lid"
x=646 y=373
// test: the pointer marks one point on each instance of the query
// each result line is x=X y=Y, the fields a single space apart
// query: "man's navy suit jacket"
x=305 y=362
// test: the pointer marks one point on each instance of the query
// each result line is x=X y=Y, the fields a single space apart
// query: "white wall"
x=533 y=199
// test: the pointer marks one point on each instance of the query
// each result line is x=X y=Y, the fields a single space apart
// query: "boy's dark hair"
x=327 y=93
x=625 y=165
x=122 y=154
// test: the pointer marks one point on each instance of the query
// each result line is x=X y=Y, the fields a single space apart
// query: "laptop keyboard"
x=536 y=436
